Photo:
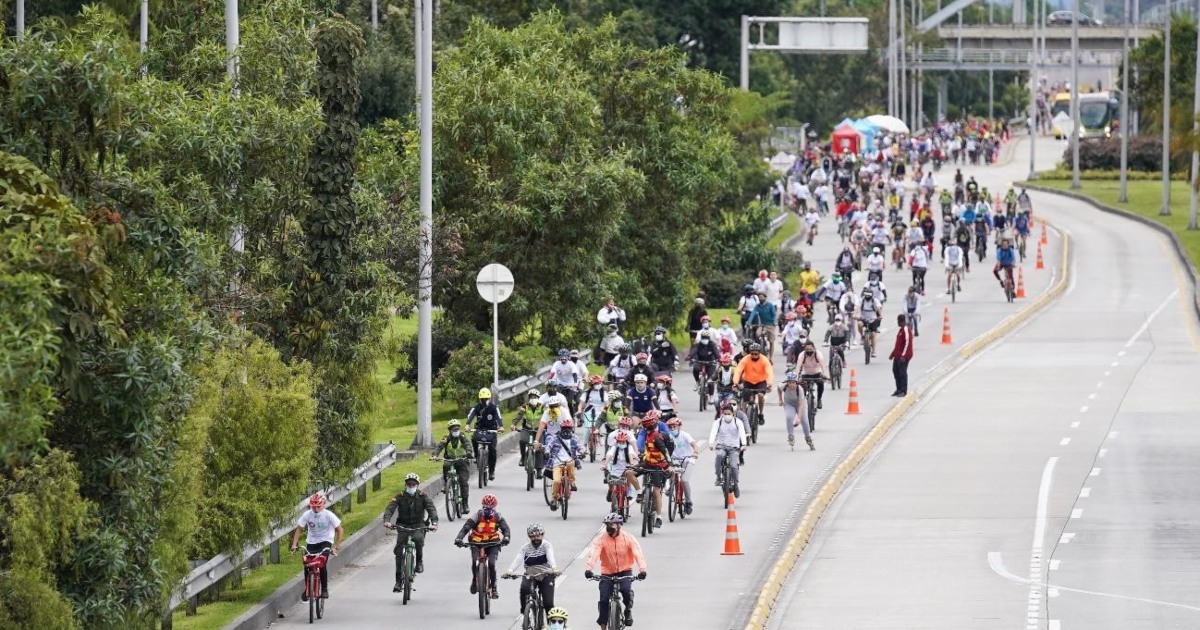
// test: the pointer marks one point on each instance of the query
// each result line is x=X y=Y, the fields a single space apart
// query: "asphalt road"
x=1047 y=485
x=691 y=583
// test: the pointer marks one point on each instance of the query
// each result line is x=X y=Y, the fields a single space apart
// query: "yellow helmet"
x=557 y=612
x=485 y=393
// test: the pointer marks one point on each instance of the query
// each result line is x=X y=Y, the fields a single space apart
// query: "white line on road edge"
x=1146 y=324
x=1039 y=536
x=996 y=562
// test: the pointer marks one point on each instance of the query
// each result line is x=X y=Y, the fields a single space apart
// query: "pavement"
x=690 y=582
x=1048 y=483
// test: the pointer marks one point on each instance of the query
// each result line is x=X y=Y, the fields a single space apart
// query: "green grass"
x=1145 y=199
x=790 y=227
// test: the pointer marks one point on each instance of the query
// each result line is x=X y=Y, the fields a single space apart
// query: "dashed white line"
x=1083 y=409
x=1099 y=384
x=1075 y=425
x=1102 y=453
x=1055 y=625
x=1085 y=493
x=1112 y=435
x=1107 y=372
x=1054 y=564
x=1121 y=353
x=1092 y=396
x=1077 y=513
x=1065 y=538
x=1113 y=364
x=1146 y=324
x=1095 y=472
x=1064 y=441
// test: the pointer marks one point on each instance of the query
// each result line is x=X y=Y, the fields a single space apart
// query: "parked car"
x=1063 y=18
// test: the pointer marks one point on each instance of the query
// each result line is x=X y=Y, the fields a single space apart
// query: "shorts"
x=872 y=326
x=655 y=477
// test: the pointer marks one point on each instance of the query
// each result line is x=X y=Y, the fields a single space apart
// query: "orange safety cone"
x=946 y=327
x=1021 y=281
x=1042 y=241
x=852 y=407
x=1040 y=263
x=733 y=547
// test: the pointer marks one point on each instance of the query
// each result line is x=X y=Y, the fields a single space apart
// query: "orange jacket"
x=750 y=371
x=616 y=554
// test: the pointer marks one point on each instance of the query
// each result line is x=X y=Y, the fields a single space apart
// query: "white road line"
x=1075 y=425
x=1055 y=625
x=1085 y=493
x=1065 y=538
x=1102 y=453
x=1077 y=513
x=1039 y=527
x=1092 y=396
x=1064 y=441
x=1121 y=353
x=1095 y=472
x=1112 y=435
x=996 y=562
x=1146 y=324
x=1107 y=372
x=1083 y=409
x=1054 y=564
x=1099 y=384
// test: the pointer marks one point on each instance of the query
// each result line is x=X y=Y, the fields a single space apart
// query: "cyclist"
x=613 y=411
x=526 y=421
x=912 y=308
x=810 y=280
x=624 y=425
x=663 y=357
x=764 y=319
x=839 y=335
x=617 y=553
x=656 y=447
x=1006 y=258
x=486 y=526
x=549 y=426
x=323 y=530
x=455 y=447
x=726 y=437
x=832 y=291
x=610 y=345
x=844 y=264
x=622 y=455
x=754 y=373
x=591 y=402
x=795 y=411
x=666 y=395
x=746 y=305
x=413 y=509
x=567 y=375
x=641 y=396
x=642 y=367
x=683 y=456
x=947 y=233
x=955 y=256
x=723 y=380
x=538 y=552
x=1000 y=224
x=869 y=318
x=726 y=337
x=563 y=458
x=1021 y=227
x=919 y=262
x=556 y=619
x=962 y=237
x=981 y=234
x=618 y=369
x=812 y=368
x=488 y=422
x=792 y=334
x=552 y=395
x=875 y=263
x=811 y=221
x=878 y=290
x=704 y=356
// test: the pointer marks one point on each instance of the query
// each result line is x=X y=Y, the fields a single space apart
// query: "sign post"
x=495 y=284
x=802 y=35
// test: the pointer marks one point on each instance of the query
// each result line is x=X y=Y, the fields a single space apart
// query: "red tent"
x=846 y=138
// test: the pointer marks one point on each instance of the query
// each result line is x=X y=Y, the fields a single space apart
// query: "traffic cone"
x=852 y=407
x=946 y=327
x=1042 y=241
x=1021 y=281
x=1040 y=263
x=733 y=547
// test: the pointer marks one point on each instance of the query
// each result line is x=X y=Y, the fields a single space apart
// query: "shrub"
x=470 y=368
x=1145 y=154
x=723 y=288
x=447 y=337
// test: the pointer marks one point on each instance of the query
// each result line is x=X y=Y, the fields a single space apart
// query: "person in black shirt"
x=487 y=419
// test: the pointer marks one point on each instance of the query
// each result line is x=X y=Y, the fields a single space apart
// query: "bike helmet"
x=915 y=223
x=875 y=250
x=564 y=353
x=660 y=329
x=613 y=395
x=705 y=319
x=639 y=378
x=413 y=477
x=790 y=376
x=316 y=501
x=551 y=385
x=567 y=423
x=726 y=358
x=557 y=613
x=674 y=422
x=535 y=529
x=665 y=379
x=489 y=501
x=613 y=519
x=705 y=333
x=755 y=347
x=533 y=393
x=626 y=349
x=625 y=421
x=595 y=379
x=807 y=265
x=790 y=316
x=651 y=416
x=642 y=357
x=622 y=438
x=485 y=393
x=454 y=424
x=746 y=343
x=725 y=319
x=748 y=289
x=836 y=277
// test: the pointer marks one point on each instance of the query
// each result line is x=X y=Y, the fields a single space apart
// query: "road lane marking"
x=1075 y=425
x=1055 y=625
x=1054 y=564
x=1039 y=527
x=1077 y=513
x=1085 y=493
x=1107 y=372
x=1095 y=472
x=1146 y=324
x=1102 y=453
x=1112 y=435
x=996 y=562
x=1120 y=354
x=1064 y=441
x=1092 y=396
x=1083 y=409
x=1066 y=538
x=1099 y=384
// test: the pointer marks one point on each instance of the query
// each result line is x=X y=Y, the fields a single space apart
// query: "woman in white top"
x=683 y=456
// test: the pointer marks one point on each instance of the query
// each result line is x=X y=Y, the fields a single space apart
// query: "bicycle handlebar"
x=394 y=527
x=614 y=578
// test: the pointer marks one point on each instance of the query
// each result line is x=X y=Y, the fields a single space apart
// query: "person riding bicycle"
x=1006 y=259
x=610 y=345
x=614 y=410
x=455 y=447
x=845 y=261
x=527 y=419
x=656 y=447
x=723 y=380
x=878 y=289
x=754 y=373
x=764 y=318
x=537 y=556
x=746 y=304
x=726 y=437
x=488 y=422
x=795 y=411
x=414 y=511
x=1010 y=201
x=912 y=309
x=1021 y=225
x=705 y=353
x=955 y=257
x=962 y=237
x=833 y=290
x=839 y=335
x=684 y=455
x=809 y=279
x=323 y=530
x=667 y=400
x=567 y=375
x=642 y=367
x=919 y=263
x=812 y=367
x=564 y=457
x=875 y=263
x=663 y=356
x=549 y=426
x=869 y=318
x=621 y=457
x=618 y=369
x=592 y=402
x=553 y=395
x=617 y=553
x=793 y=333
x=642 y=397
x=725 y=338
x=981 y=233
x=486 y=526
x=557 y=619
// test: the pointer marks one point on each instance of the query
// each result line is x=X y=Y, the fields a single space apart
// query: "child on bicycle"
x=526 y=421
x=486 y=527
x=563 y=458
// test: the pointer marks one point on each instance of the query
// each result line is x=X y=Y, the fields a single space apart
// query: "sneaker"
x=492 y=477
x=495 y=593
x=397 y=588
x=657 y=523
x=628 y=618
x=554 y=505
x=737 y=492
x=639 y=497
x=304 y=596
x=574 y=488
x=687 y=508
x=325 y=594
x=717 y=483
x=420 y=567
x=810 y=444
x=819 y=405
x=474 y=588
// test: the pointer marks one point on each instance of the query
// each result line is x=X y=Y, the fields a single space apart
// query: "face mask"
x=558 y=625
x=674 y=432
x=705 y=325
x=410 y=490
x=724 y=326
x=703 y=341
x=612 y=530
x=641 y=388
x=727 y=417
x=489 y=512
x=455 y=433
x=658 y=337
x=565 y=433
x=658 y=386
x=574 y=359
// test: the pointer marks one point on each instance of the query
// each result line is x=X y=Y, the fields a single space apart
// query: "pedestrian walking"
x=901 y=355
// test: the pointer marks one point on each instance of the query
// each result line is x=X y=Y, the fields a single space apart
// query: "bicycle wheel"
x=866 y=348
x=592 y=440
x=409 y=573
x=482 y=465
x=481 y=581
x=451 y=498
x=812 y=413
x=754 y=428
x=680 y=499
x=671 y=509
x=320 y=607
x=547 y=487
x=615 y=620
x=726 y=482
x=313 y=594
x=565 y=499
x=835 y=373
x=703 y=390
x=529 y=469
x=530 y=617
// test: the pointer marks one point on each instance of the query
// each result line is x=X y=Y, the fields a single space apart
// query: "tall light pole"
x=424 y=437
x=1166 y=118
x=1195 y=150
x=1075 y=98
x=1033 y=91
x=20 y=20
x=1124 y=127
x=901 y=48
x=232 y=42
x=144 y=32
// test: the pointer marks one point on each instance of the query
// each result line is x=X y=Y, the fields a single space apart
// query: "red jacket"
x=904 y=344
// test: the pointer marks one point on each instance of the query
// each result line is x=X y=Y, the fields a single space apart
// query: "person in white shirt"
x=919 y=258
x=811 y=220
x=953 y=263
x=536 y=557
x=683 y=456
x=727 y=437
x=760 y=283
x=726 y=336
x=801 y=194
x=875 y=263
x=323 y=531
x=610 y=313
x=774 y=289
x=823 y=193
x=621 y=457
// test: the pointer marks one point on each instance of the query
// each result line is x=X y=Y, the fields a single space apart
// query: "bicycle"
x=868 y=344
x=837 y=361
x=1021 y=245
x=564 y=491
x=313 y=564
x=1009 y=292
x=702 y=385
x=806 y=383
x=726 y=476
x=648 y=501
x=530 y=461
x=955 y=287
x=676 y=496
x=533 y=615
x=455 y=506
x=752 y=415
x=618 y=500
x=981 y=247
x=616 y=604
x=483 y=579
x=482 y=452
x=591 y=425
x=408 y=559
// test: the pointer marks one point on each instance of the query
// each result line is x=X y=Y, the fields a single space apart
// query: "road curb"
x=273 y=607
x=777 y=577
x=1180 y=252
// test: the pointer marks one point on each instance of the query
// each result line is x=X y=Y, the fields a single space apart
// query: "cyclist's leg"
x=658 y=480
x=318 y=548
x=570 y=468
x=789 y=418
x=464 y=479
x=606 y=588
x=631 y=481
x=820 y=392
x=718 y=457
x=526 y=586
x=418 y=538
x=492 y=442
x=402 y=540
x=627 y=596
x=547 y=588
x=686 y=477
x=557 y=480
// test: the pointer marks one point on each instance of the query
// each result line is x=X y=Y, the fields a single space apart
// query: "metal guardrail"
x=206 y=575
x=1017 y=58
x=518 y=386
x=777 y=223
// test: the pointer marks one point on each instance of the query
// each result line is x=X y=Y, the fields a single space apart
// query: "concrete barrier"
x=782 y=569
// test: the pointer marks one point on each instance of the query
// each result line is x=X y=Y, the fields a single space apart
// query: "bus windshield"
x=1094 y=114
x=1060 y=106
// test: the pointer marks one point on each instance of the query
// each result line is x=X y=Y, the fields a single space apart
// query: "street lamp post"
x=424 y=436
x=1033 y=91
x=1195 y=150
x=1124 y=197
x=1166 y=119
x=1075 y=98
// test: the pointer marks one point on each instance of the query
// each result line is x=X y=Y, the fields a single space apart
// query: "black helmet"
x=749 y=288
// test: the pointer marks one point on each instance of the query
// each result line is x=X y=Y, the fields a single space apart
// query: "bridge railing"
x=977 y=56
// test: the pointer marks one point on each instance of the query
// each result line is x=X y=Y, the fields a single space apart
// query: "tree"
x=1146 y=74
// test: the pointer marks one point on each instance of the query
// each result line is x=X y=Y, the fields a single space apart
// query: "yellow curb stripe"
x=769 y=594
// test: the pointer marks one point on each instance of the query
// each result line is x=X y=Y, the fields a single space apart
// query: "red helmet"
x=726 y=358
x=663 y=378
x=790 y=316
x=622 y=437
x=642 y=356
x=651 y=417
x=705 y=318
x=674 y=422
x=316 y=501
x=567 y=424
x=725 y=319
x=489 y=501
x=595 y=379
x=625 y=421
